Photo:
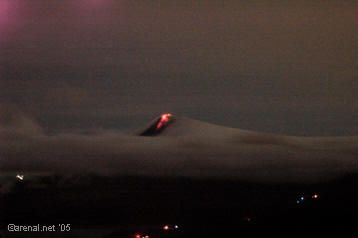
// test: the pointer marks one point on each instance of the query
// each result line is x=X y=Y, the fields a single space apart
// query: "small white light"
x=315 y=196
x=20 y=176
x=176 y=227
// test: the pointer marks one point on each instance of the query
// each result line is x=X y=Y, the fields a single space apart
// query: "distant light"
x=137 y=236
x=302 y=198
x=247 y=219
x=166 y=227
x=20 y=176
x=315 y=196
x=176 y=227
x=146 y=236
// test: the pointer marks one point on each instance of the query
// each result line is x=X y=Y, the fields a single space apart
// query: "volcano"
x=177 y=146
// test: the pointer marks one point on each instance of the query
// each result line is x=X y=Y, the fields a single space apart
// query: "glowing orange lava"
x=164 y=119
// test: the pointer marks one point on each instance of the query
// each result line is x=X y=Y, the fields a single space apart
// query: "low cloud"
x=189 y=148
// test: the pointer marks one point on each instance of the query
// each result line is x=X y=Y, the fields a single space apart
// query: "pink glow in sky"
x=7 y=15
x=5 y=11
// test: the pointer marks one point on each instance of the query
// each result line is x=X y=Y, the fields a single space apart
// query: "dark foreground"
x=126 y=207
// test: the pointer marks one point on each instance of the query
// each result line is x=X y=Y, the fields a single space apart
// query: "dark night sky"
x=276 y=66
